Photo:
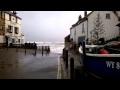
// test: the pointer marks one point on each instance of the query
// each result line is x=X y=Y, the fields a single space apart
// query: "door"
x=80 y=40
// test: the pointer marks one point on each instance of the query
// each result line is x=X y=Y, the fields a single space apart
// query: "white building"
x=85 y=25
x=13 y=28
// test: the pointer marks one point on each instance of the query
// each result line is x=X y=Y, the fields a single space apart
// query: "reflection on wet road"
x=20 y=66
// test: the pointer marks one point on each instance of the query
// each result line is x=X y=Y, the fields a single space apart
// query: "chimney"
x=14 y=12
x=85 y=13
x=79 y=18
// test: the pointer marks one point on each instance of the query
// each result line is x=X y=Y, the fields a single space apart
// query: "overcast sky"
x=47 y=26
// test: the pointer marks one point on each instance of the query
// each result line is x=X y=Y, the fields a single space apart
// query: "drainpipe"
x=87 y=30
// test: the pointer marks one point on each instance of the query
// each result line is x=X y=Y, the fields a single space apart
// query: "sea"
x=55 y=47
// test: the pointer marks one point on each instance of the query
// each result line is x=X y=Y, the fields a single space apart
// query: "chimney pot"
x=85 y=13
x=14 y=12
x=79 y=18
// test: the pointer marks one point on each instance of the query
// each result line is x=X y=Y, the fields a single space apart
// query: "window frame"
x=10 y=28
x=19 y=40
x=107 y=15
x=16 y=29
x=10 y=17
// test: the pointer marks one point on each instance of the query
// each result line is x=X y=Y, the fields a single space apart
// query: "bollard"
x=35 y=46
x=64 y=55
x=66 y=58
x=25 y=47
x=48 y=50
x=29 y=45
x=71 y=68
x=42 y=50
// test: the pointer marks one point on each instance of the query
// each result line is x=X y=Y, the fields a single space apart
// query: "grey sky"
x=50 y=26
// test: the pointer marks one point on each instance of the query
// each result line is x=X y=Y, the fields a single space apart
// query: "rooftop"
x=80 y=21
x=9 y=12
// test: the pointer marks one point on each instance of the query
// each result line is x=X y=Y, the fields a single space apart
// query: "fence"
x=31 y=48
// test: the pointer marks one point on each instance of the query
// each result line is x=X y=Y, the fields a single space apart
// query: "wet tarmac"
x=18 y=65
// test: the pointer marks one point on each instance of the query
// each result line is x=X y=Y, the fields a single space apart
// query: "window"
x=1 y=27
x=18 y=40
x=107 y=16
x=83 y=31
x=10 y=29
x=9 y=17
x=16 y=30
x=16 y=19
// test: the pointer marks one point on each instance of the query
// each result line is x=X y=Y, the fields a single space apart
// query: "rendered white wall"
x=111 y=30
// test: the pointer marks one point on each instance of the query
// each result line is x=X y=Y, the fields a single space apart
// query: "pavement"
x=63 y=72
x=18 y=65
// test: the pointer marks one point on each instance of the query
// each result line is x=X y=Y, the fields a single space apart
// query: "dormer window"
x=107 y=16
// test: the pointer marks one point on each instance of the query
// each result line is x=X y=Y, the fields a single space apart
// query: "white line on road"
x=59 y=69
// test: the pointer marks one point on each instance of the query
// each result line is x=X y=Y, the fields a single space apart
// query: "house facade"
x=85 y=26
x=12 y=28
x=2 y=30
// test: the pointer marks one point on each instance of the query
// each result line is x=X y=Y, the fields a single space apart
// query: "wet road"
x=20 y=66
